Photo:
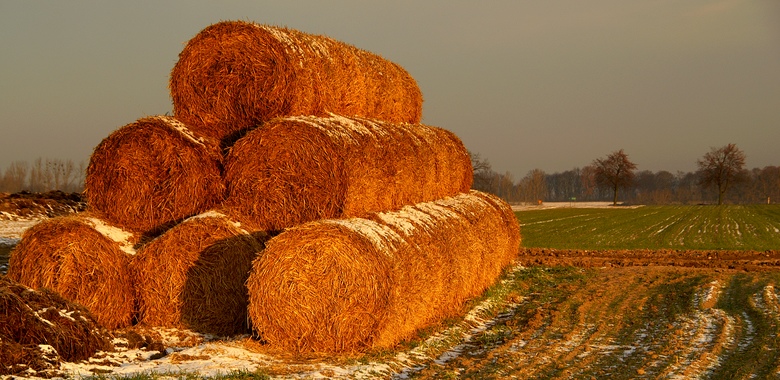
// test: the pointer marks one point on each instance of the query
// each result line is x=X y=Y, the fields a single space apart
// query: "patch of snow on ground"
x=9 y=241
x=11 y=230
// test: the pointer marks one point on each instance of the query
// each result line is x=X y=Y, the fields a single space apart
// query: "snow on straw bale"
x=236 y=75
x=355 y=284
x=153 y=173
x=124 y=239
x=193 y=275
x=38 y=329
x=382 y=237
x=73 y=257
x=304 y=168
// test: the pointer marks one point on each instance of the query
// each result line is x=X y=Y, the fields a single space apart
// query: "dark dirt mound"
x=48 y=204
x=739 y=260
x=39 y=328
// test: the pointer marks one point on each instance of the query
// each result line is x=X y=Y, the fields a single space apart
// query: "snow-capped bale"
x=193 y=275
x=303 y=168
x=152 y=173
x=235 y=75
x=38 y=329
x=83 y=258
x=345 y=285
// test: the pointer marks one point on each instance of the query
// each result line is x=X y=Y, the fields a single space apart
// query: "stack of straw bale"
x=40 y=328
x=345 y=285
x=153 y=173
x=193 y=275
x=381 y=235
x=83 y=259
x=299 y=169
x=236 y=75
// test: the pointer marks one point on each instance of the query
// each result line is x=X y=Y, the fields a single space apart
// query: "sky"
x=542 y=84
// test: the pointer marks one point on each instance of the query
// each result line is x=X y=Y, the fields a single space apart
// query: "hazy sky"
x=548 y=84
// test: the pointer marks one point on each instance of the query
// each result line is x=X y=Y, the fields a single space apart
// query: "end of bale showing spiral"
x=322 y=287
x=83 y=259
x=152 y=173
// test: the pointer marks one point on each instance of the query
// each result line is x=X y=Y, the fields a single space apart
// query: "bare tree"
x=688 y=190
x=721 y=168
x=62 y=173
x=614 y=172
x=483 y=174
x=533 y=186
x=506 y=187
x=81 y=173
x=39 y=180
x=588 y=180
x=665 y=183
x=15 y=177
x=768 y=184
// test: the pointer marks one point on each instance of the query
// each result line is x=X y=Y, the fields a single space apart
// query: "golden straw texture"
x=354 y=284
x=150 y=174
x=193 y=275
x=299 y=169
x=85 y=260
x=235 y=75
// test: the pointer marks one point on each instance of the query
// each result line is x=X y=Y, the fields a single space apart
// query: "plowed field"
x=685 y=315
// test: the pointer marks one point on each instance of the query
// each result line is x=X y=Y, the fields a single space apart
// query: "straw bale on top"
x=84 y=259
x=354 y=284
x=153 y=173
x=235 y=75
x=298 y=169
x=193 y=275
x=31 y=321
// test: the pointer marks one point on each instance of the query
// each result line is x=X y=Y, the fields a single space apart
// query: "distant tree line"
x=720 y=178
x=43 y=175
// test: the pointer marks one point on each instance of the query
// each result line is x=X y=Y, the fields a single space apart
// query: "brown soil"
x=739 y=260
x=48 y=204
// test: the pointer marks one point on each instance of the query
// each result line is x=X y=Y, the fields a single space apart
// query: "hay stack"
x=152 y=173
x=354 y=284
x=235 y=75
x=193 y=275
x=83 y=259
x=305 y=168
x=32 y=321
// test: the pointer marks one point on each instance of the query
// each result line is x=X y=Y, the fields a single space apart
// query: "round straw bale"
x=32 y=321
x=344 y=285
x=153 y=173
x=193 y=275
x=304 y=168
x=82 y=258
x=235 y=75
x=325 y=289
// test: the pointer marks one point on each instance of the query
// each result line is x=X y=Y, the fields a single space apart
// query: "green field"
x=727 y=227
